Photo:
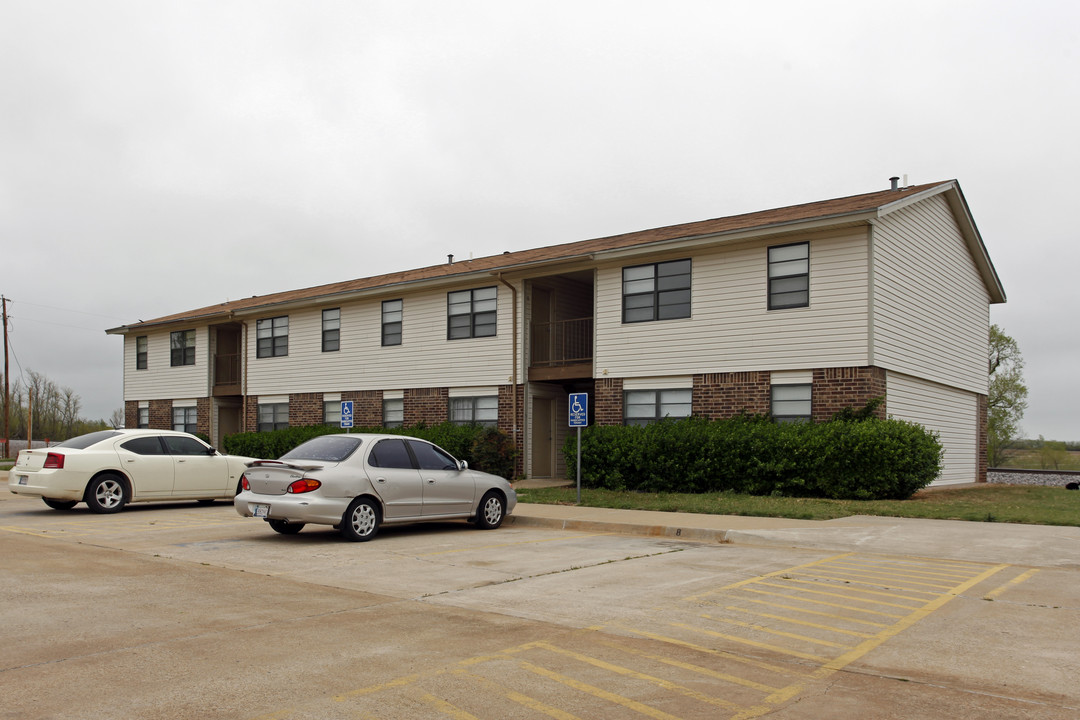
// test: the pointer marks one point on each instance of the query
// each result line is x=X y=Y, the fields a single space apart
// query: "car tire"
x=361 y=520
x=492 y=510
x=60 y=504
x=107 y=494
x=285 y=528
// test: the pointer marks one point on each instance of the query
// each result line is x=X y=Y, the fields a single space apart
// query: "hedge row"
x=484 y=448
x=851 y=458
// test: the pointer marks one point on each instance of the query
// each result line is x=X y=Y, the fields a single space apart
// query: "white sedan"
x=110 y=468
x=357 y=482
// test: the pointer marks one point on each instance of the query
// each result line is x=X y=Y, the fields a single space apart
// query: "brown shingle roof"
x=766 y=218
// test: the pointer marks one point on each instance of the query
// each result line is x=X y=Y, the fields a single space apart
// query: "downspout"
x=514 y=353
x=243 y=384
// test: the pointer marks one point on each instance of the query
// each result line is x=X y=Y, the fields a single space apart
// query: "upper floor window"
x=482 y=410
x=641 y=407
x=273 y=416
x=659 y=291
x=391 y=322
x=185 y=419
x=272 y=337
x=393 y=412
x=331 y=330
x=471 y=313
x=789 y=276
x=142 y=344
x=791 y=403
x=182 y=348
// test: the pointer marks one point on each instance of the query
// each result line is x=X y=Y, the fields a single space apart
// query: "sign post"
x=579 y=418
x=346 y=414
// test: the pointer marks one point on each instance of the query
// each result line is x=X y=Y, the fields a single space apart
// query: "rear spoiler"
x=279 y=463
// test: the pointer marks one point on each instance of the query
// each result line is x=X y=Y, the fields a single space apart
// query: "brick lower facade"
x=724 y=395
x=835 y=389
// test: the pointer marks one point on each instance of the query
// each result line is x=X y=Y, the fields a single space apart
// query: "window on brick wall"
x=142 y=352
x=641 y=407
x=182 y=348
x=392 y=311
x=789 y=276
x=184 y=419
x=658 y=291
x=272 y=337
x=273 y=416
x=483 y=410
x=143 y=420
x=393 y=412
x=331 y=330
x=791 y=403
x=332 y=412
x=471 y=313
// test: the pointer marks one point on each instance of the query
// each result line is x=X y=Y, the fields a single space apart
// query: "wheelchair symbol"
x=576 y=407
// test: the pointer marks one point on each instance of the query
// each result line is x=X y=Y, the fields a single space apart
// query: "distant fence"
x=1020 y=476
x=17 y=445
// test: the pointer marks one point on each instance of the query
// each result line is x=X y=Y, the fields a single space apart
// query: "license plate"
x=24 y=480
x=261 y=510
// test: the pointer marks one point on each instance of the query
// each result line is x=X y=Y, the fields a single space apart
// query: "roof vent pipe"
x=894 y=181
x=450 y=258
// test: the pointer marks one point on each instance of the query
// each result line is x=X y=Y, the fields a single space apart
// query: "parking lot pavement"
x=183 y=611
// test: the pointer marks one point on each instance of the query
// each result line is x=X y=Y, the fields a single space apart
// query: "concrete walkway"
x=1033 y=545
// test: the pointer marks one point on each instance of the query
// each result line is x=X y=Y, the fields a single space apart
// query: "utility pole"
x=7 y=394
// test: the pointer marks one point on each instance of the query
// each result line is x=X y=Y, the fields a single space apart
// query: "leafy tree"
x=1007 y=399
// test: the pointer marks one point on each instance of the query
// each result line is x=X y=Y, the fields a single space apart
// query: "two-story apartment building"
x=797 y=311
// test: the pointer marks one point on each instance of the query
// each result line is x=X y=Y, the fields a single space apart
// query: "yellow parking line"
x=620 y=670
x=794 y=621
x=865 y=592
x=759 y=664
x=778 y=633
x=804 y=611
x=372 y=689
x=1012 y=583
x=906 y=571
x=877 y=579
x=519 y=698
x=758 y=578
x=598 y=692
x=734 y=679
x=753 y=643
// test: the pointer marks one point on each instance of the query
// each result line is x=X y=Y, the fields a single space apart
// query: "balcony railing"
x=227 y=369
x=564 y=342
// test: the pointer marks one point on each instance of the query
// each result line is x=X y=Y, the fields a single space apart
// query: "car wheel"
x=106 y=494
x=285 y=528
x=360 y=521
x=491 y=511
x=60 y=504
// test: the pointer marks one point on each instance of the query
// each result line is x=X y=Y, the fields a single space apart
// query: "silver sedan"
x=357 y=482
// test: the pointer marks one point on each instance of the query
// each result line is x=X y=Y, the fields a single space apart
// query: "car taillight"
x=54 y=461
x=244 y=482
x=303 y=486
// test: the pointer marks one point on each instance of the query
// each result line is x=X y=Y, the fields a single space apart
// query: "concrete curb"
x=616 y=528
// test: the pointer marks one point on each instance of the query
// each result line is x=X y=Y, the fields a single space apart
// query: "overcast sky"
x=161 y=156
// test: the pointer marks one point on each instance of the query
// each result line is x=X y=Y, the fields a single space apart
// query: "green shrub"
x=484 y=448
x=855 y=457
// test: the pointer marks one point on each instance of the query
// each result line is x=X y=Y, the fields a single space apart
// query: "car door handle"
x=380 y=480
x=431 y=481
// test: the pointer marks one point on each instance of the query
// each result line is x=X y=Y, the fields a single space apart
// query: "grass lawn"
x=985 y=503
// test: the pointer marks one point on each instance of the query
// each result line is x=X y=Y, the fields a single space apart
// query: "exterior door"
x=542 y=437
x=196 y=474
x=148 y=465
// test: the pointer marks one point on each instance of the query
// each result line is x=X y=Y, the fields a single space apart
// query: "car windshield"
x=327 y=448
x=84 y=441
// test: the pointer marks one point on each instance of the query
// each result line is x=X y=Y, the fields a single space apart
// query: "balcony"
x=561 y=350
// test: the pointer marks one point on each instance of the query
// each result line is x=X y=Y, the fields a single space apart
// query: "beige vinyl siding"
x=951 y=412
x=931 y=308
x=425 y=357
x=730 y=327
x=160 y=380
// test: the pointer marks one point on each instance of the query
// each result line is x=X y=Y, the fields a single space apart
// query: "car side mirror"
x=211 y=451
x=462 y=465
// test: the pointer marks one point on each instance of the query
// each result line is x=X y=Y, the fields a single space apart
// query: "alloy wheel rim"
x=493 y=510
x=109 y=494
x=363 y=520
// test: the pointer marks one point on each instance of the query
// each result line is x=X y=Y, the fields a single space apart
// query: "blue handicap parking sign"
x=579 y=409
x=346 y=413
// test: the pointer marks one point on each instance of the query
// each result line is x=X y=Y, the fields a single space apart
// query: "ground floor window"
x=393 y=412
x=273 y=416
x=791 y=403
x=184 y=419
x=332 y=412
x=144 y=418
x=641 y=407
x=482 y=410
